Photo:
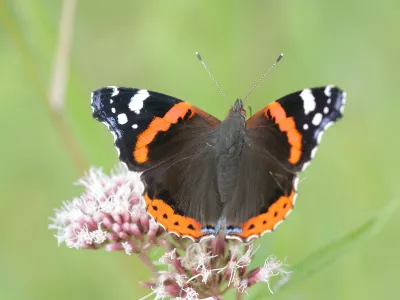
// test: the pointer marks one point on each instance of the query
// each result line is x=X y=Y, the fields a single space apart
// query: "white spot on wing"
x=113 y=110
x=111 y=101
x=326 y=109
x=207 y=237
x=135 y=126
x=344 y=95
x=328 y=125
x=114 y=135
x=122 y=119
x=288 y=212
x=91 y=101
x=317 y=119
x=328 y=90
x=277 y=224
x=266 y=231
x=115 y=90
x=305 y=126
x=108 y=126
x=294 y=200
x=295 y=183
x=319 y=137
x=136 y=103
x=305 y=165
x=308 y=101
x=252 y=237
x=313 y=151
x=233 y=237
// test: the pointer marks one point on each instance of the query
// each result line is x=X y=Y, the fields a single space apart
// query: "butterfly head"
x=238 y=109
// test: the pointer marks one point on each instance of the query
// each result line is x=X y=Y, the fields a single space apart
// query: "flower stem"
x=144 y=257
x=61 y=63
x=239 y=295
x=57 y=119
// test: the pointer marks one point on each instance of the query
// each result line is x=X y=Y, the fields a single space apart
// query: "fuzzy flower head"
x=110 y=214
x=195 y=271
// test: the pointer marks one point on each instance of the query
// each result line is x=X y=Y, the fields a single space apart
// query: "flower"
x=271 y=268
x=110 y=214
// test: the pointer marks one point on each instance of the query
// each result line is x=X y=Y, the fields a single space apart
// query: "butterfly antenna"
x=212 y=77
x=264 y=75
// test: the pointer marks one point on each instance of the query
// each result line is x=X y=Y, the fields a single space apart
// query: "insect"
x=203 y=176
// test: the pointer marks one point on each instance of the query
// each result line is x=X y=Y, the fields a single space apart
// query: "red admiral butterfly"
x=203 y=176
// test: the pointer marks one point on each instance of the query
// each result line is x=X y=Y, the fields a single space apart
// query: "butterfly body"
x=228 y=150
x=203 y=176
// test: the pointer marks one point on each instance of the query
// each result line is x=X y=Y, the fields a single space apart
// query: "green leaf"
x=328 y=254
x=323 y=257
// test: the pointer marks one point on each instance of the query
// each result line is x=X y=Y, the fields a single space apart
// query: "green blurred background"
x=150 y=44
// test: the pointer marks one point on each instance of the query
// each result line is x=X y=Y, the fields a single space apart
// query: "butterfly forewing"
x=168 y=140
x=291 y=128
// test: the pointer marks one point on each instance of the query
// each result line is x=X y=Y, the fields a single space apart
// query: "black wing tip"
x=96 y=104
x=99 y=100
x=337 y=95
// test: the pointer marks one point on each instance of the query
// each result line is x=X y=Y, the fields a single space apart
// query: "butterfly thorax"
x=230 y=140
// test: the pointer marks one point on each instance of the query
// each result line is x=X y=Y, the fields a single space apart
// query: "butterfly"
x=203 y=176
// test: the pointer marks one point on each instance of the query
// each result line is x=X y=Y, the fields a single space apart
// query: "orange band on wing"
x=174 y=223
x=276 y=213
x=287 y=125
x=179 y=110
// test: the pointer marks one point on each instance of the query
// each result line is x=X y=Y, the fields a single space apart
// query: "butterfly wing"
x=281 y=140
x=168 y=140
x=264 y=196
x=298 y=119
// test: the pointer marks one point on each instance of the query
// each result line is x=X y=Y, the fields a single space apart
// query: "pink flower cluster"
x=111 y=214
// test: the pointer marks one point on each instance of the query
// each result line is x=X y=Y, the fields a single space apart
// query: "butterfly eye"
x=243 y=113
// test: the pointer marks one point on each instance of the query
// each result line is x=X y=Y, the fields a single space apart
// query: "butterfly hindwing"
x=168 y=140
x=264 y=196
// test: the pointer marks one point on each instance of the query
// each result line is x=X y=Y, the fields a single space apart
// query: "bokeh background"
x=150 y=44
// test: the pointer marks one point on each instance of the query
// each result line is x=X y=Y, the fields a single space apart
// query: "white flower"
x=272 y=267
x=127 y=247
x=110 y=212
x=168 y=257
x=234 y=264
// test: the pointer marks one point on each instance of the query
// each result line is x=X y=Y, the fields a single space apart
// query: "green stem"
x=56 y=118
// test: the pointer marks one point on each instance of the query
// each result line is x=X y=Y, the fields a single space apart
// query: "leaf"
x=323 y=257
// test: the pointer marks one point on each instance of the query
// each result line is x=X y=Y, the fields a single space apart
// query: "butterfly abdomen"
x=229 y=144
